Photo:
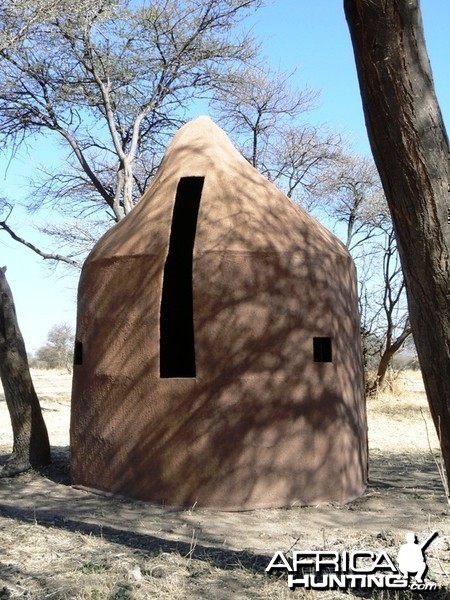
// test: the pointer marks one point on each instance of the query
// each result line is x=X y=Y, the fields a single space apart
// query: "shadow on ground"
x=404 y=493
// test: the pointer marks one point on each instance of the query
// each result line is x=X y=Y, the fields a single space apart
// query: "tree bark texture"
x=410 y=148
x=31 y=445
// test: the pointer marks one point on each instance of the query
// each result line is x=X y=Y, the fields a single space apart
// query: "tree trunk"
x=410 y=148
x=31 y=445
x=388 y=354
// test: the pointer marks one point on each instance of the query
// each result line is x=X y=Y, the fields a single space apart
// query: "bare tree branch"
x=44 y=255
x=113 y=78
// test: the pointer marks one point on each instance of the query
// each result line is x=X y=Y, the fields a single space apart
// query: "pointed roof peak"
x=202 y=121
x=241 y=210
x=202 y=131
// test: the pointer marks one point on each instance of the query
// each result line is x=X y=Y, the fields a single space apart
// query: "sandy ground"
x=405 y=493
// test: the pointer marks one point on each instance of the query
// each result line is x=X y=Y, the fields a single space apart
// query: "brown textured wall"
x=261 y=424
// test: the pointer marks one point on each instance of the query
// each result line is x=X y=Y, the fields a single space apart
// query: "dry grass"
x=401 y=396
x=47 y=554
x=45 y=562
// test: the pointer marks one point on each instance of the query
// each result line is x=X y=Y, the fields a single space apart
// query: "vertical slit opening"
x=322 y=349
x=177 y=347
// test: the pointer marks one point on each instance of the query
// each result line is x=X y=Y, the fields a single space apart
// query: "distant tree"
x=353 y=197
x=355 y=201
x=411 y=150
x=262 y=110
x=57 y=352
x=303 y=160
x=254 y=105
x=31 y=445
x=390 y=316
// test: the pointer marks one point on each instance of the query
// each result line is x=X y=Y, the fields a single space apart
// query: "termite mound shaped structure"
x=218 y=359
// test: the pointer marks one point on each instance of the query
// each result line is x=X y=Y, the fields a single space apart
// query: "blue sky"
x=309 y=36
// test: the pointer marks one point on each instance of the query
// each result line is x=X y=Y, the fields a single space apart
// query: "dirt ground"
x=59 y=542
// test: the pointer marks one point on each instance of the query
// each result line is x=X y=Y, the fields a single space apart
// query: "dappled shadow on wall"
x=218 y=347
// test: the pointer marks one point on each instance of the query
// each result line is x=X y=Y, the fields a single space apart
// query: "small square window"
x=78 y=353
x=322 y=349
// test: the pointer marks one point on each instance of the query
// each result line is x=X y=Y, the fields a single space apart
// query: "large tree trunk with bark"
x=410 y=148
x=31 y=445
